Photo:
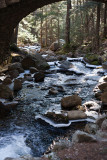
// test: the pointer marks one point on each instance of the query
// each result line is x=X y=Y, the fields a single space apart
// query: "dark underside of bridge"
x=11 y=13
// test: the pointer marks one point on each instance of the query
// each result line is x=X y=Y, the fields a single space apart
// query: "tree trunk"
x=68 y=22
x=105 y=21
x=46 y=37
x=41 y=34
x=98 y=26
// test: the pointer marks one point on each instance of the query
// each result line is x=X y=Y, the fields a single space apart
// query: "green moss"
x=92 y=59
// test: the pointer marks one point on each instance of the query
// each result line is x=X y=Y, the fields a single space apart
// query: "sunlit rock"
x=75 y=114
x=70 y=102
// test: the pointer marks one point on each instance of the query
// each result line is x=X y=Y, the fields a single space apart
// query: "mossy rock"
x=92 y=59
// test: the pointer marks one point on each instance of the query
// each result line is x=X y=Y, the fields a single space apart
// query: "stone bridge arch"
x=11 y=13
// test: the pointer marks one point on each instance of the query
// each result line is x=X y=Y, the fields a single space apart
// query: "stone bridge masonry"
x=11 y=13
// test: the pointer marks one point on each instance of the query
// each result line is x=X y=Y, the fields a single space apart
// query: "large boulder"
x=6 y=107
x=102 y=86
x=17 y=85
x=75 y=114
x=70 y=102
x=16 y=66
x=36 y=61
x=80 y=136
x=104 y=98
x=5 y=92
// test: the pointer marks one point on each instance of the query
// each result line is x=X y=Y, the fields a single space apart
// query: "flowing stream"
x=20 y=132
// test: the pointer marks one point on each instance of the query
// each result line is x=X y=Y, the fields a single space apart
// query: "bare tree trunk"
x=105 y=21
x=41 y=34
x=46 y=37
x=98 y=26
x=68 y=22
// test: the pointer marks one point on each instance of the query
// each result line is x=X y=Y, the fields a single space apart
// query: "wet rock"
x=7 y=81
x=103 y=86
x=57 y=117
x=104 y=98
x=17 y=85
x=91 y=128
x=14 y=74
x=6 y=107
x=100 y=120
x=5 y=92
x=36 y=61
x=80 y=136
x=39 y=77
x=66 y=65
x=28 y=62
x=33 y=70
x=70 y=102
x=92 y=105
x=16 y=66
x=104 y=65
x=98 y=95
x=75 y=114
x=104 y=125
x=53 y=91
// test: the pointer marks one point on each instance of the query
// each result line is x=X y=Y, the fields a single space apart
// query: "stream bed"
x=22 y=134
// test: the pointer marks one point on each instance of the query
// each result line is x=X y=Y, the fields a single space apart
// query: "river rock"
x=33 y=70
x=7 y=81
x=5 y=92
x=66 y=65
x=17 y=85
x=92 y=105
x=53 y=91
x=36 y=61
x=102 y=86
x=104 y=98
x=39 y=77
x=100 y=120
x=91 y=128
x=57 y=117
x=70 y=102
x=80 y=136
x=104 y=65
x=75 y=114
x=54 y=46
x=16 y=66
x=104 y=125
x=14 y=74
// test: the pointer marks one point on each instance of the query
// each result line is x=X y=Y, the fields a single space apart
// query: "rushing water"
x=20 y=132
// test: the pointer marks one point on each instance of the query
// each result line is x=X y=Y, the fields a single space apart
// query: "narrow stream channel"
x=20 y=132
